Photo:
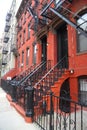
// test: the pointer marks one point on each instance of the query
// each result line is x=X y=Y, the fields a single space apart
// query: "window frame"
x=27 y=55
x=82 y=94
x=34 y=53
x=28 y=37
x=22 y=58
x=79 y=35
x=24 y=36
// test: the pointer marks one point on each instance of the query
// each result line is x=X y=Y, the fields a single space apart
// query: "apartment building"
x=50 y=36
x=52 y=50
x=9 y=51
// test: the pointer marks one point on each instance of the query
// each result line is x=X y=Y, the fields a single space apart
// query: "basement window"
x=82 y=40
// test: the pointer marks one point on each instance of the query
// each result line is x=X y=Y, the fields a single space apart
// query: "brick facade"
x=77 y=61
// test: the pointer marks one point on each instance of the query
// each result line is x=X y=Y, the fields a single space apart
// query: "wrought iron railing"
x=30 y=80
x=17 y=91
x=5 y=86
x=25 y=73
x=45 y=83
x=50 y=115
x=37 y=72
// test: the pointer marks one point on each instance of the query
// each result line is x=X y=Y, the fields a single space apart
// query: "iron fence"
x=58 y=113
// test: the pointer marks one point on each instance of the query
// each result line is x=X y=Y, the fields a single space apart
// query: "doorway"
x=44 y=49
x=62 y=44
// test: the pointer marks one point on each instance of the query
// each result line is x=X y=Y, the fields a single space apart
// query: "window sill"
x=81 y=53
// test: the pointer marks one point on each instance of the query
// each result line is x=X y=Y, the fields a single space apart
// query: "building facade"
x=9 y=42
x=52 y=39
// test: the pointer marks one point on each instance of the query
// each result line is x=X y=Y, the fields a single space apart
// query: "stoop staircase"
x=29 y=80
x=44 y=79
x=21 y=76
x=51 y=81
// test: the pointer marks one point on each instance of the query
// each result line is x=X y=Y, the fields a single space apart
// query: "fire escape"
x=37 y=21
x=61 y=8
x=6 y=39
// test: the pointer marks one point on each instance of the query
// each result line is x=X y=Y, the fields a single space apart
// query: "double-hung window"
x=82 y=40
x=83 y=91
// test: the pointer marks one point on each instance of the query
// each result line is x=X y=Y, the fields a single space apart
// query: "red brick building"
x=59 y=35
x=54 y=40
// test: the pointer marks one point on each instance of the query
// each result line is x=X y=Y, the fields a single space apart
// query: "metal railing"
x=24 y=74
x=38 y=71
x=45 y=83
x=51 y=114
x=5 y=86
x=30 y=80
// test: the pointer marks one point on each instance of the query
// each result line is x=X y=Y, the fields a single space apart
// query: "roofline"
x=21 y=8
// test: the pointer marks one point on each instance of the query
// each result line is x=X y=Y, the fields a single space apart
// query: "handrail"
x=35 y=70
x=19 y=82
x=24 y=71
x=50 y=70
x=30 y=74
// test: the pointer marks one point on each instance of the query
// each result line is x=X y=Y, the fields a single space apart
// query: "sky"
x=4 y=8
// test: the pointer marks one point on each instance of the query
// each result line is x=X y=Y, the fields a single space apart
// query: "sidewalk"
x=10 y=119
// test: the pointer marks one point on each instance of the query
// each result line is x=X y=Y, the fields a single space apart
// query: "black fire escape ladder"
x=62 y=10
x=33 y=13
x=37 y=21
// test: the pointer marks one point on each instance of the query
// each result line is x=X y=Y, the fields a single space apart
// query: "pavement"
x=10 y=119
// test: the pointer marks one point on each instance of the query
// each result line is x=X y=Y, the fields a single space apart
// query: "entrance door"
x=62 y=45
x=44 y=49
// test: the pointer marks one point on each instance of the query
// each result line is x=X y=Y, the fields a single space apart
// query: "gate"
x=50 y=116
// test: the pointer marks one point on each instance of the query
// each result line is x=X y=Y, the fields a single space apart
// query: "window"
x=17 y=43
x=28 y=31
x=19 y=61
x=83 y=91
x=82 y=40
x=24 y=36
x=22 y=62
x=21 y=40
x=24 y=17
x=27 y=56
x=34 y=53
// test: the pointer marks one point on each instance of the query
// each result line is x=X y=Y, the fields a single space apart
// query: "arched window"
x=82 y=40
